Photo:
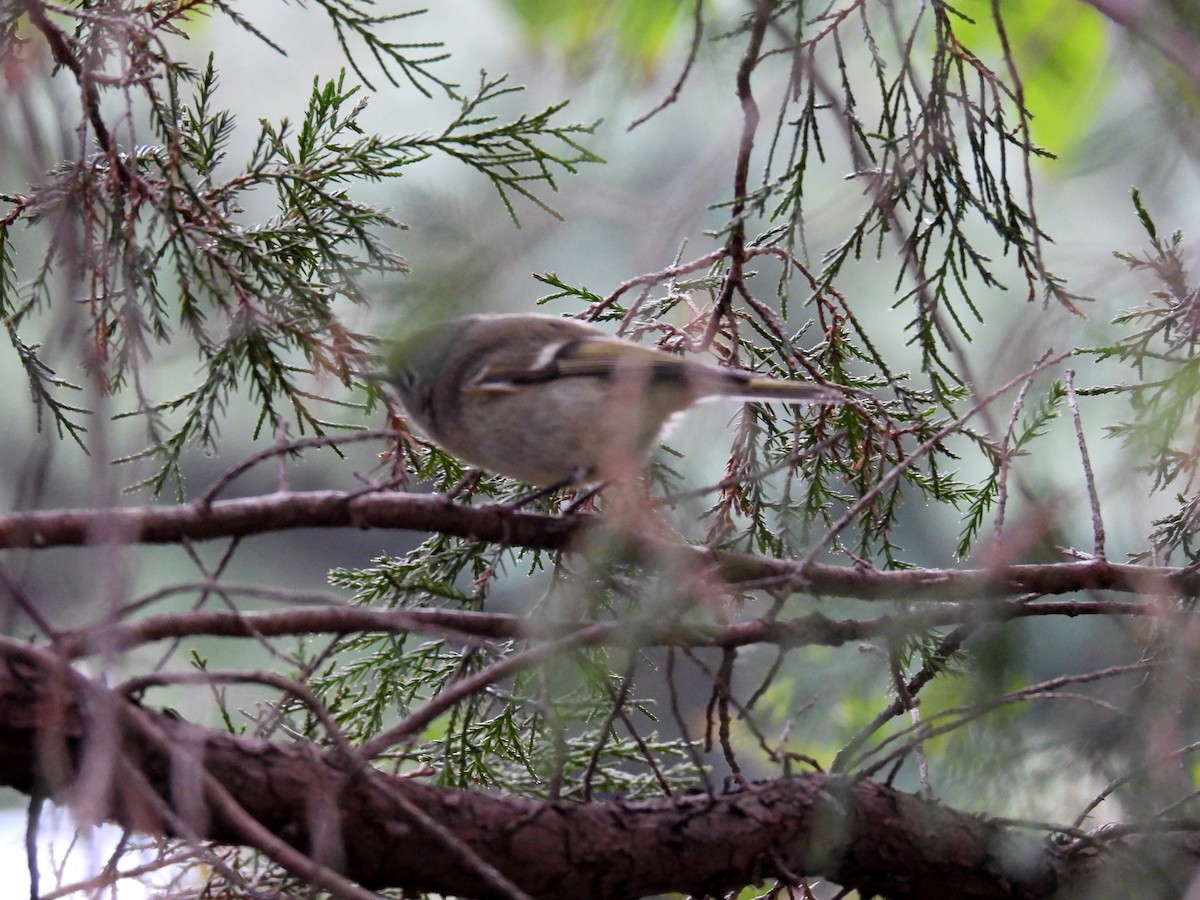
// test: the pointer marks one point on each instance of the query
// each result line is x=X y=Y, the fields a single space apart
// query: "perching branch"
x=500 y=525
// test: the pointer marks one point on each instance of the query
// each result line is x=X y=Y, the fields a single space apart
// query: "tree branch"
x=864 y=834
x=504 y=526
x=735 y=244
x=64 y=55
x=282 y=511
x=470 y=627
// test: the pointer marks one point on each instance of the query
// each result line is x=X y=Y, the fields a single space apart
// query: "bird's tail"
x=747 y=386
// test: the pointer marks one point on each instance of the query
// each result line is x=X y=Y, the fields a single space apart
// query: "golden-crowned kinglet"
x=551 y=401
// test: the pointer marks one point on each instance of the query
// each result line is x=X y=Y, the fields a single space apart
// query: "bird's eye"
x=405 y=380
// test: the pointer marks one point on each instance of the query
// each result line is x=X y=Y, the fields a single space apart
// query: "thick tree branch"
x=863 y=835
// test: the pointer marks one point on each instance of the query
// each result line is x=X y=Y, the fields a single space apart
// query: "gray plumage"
x=548 y=401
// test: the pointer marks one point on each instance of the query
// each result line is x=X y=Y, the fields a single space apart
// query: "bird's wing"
x=585 y=357
x=601 y=357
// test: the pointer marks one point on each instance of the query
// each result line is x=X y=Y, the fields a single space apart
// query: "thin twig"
x=730 y=699
x=27 y=604
x=416 y=721
x=947 y=647
x=723 y=693
x=1093 y=495
x=137 y=686
x=961 y=716
x=1018 y=92
x=64 y=55
x=652 y=278
x=281 y=448
x=735 y=245
x=108 y=879
x=908 y=462
x=673 y=94
x=1002 y=474
x=759 y=474
x=681 y=722
x=1127 y=777
x=33 y=819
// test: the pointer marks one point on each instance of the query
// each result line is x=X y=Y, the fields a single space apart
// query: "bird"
x=552 y=401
